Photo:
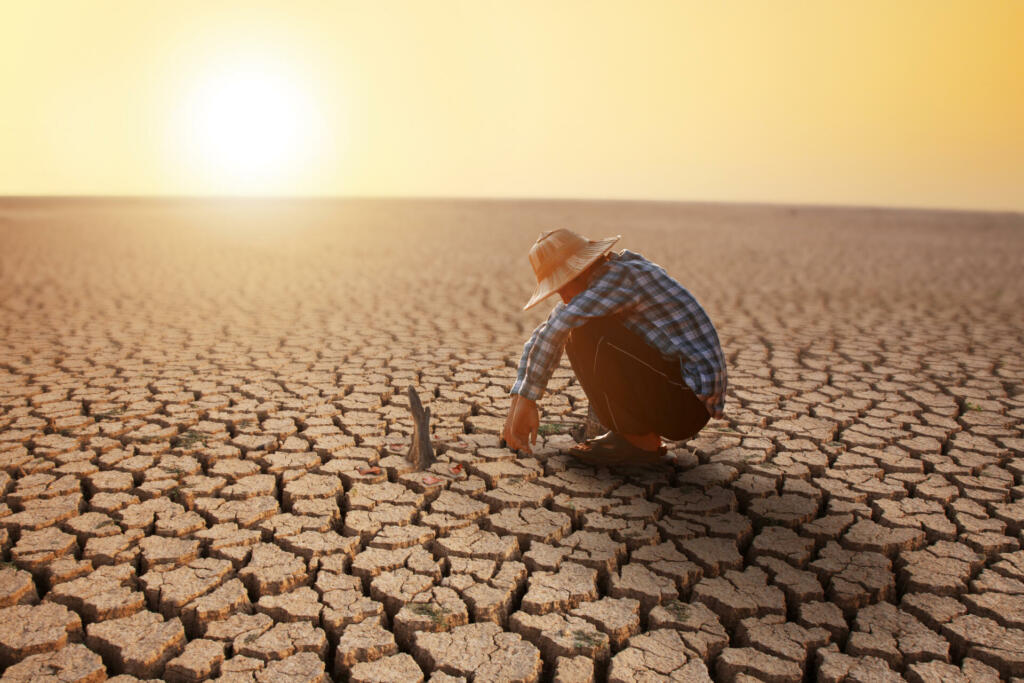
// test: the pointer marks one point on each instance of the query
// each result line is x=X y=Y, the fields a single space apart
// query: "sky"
x=873 y=102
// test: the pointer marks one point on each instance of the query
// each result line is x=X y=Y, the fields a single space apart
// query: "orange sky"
x=877 y=102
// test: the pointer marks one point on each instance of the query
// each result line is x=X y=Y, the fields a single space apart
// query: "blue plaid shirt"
x=651 y=304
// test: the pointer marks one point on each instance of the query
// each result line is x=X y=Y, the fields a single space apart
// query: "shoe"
x=615 y=449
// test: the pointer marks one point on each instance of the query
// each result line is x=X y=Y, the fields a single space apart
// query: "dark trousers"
x=630 y=385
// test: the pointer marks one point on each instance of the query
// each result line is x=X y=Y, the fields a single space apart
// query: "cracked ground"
x=203 y=413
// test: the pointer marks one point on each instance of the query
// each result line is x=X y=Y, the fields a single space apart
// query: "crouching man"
x=644 y=351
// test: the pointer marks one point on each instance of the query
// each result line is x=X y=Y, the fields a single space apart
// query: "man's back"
x=643 y=350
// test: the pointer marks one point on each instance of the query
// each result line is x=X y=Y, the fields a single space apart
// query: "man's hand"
x=709 y=403
x=521 y=424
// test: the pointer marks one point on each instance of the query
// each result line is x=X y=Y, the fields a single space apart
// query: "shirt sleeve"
x=518 y=387
x=705 y=371
x=609 y=294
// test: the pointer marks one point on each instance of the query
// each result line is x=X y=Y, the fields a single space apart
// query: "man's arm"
x=523 y=421
x=708 y=374
x=541 y=355
x=518 y=386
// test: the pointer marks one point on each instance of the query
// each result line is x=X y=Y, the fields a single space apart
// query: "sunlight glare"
x=250 y=129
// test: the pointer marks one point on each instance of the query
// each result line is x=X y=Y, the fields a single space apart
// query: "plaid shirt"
x=651 y=304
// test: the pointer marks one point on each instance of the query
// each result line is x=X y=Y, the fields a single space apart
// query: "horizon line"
x=738 y=204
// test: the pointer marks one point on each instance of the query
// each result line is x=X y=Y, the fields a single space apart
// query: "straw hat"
x=559 y=256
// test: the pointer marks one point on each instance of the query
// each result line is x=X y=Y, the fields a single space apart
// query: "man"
x=643 y=350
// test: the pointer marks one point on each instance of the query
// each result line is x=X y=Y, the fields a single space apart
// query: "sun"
x=249 y=128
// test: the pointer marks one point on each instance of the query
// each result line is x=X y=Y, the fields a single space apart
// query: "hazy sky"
x=879 y=102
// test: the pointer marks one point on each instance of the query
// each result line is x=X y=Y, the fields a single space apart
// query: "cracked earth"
x=203 y=417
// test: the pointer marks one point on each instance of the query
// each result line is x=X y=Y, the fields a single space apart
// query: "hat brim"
x=572 y=267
